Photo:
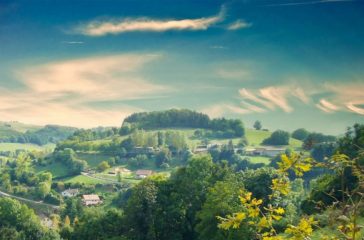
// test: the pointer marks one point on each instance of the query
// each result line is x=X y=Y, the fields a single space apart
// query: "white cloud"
x=272 y=97
x=278 y=96
x=101 y=28
x=73 y=42
x=65 y=92
x=355 y=109
x=334 y=97
x=298 y=3
x=239 y=24
x=252 y=108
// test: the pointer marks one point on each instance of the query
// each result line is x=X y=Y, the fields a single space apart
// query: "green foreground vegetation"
x=186 y=180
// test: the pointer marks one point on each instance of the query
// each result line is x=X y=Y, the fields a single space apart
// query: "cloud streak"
x=306 y=3
x=102 y=28
x=347 y=97
x=67 y=92
x=239 y=24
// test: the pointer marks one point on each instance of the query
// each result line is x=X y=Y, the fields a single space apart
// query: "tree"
x=221 y=199
x=314 y=138
x=43 y=189
x=17 y=220
x=257 y=125
x=300 y=134
x=140 y=211
x=278 y=137
x=163 y=156
x=103 y=166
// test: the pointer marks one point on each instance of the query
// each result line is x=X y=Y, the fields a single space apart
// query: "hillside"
x=15 y=132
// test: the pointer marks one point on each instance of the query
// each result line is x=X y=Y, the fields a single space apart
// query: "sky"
x=287 y=63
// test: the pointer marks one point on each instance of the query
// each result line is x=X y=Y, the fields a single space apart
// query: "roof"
x=91 y=197
x=144 y=172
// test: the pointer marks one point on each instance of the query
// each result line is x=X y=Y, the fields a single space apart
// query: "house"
x=268 y=151
x=143 y=173
x=91 y=199
x=201 y=149
x=70 y=192
x=273 y=151
x=143 y=150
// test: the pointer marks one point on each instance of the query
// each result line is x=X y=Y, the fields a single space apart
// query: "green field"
x=25 y=146
x=93 y=159
x=84 y=179
x=258 y=159
x=56 y=168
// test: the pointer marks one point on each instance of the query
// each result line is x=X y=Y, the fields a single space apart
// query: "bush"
x=278 y=137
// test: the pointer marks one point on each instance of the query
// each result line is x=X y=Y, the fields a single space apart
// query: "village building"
x=70 y=192
x=143 y=173
x=91 y=199
x=268 y=151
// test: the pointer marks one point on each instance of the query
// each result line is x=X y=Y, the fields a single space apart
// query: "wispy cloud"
x=336 y=97
x=65 y=92
x=218 y=47
x=73 y=42
x=101 y=28
x=327 y=106
x=349 y=95
x=298 y=3
x=239 y=24
x=272 y=97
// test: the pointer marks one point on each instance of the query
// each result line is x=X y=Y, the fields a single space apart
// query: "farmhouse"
x=70 y=192
x=268 y=151
x=201 y=149
x=91 y=199
x=143 y=173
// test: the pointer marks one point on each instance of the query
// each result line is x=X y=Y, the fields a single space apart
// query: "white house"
x=268 y=151
x=91 y=199
x=143 y=173
x=70 y=192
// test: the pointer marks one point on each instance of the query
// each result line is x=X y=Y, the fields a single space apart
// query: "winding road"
x=4 y=194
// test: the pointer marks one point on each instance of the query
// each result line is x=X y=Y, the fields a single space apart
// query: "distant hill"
x=16 y=128
x=183 y=118
x=15 y=132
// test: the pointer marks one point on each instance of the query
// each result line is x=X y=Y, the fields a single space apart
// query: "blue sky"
x=288 y=63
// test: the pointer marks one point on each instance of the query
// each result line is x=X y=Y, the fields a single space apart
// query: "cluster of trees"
x=47 y=134
x=19 y=177
x=181 y=118
x=17 y=221
x=68 y=157
x=278 y=137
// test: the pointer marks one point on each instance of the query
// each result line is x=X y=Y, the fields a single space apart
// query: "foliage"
x=314 y=138
x=300 y=134
x=103 y=166
x=183 y=118
x=17 y=221
x=278 y=137
x=257 y=125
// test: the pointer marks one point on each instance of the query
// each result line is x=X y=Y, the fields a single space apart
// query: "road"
x=4 y=194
